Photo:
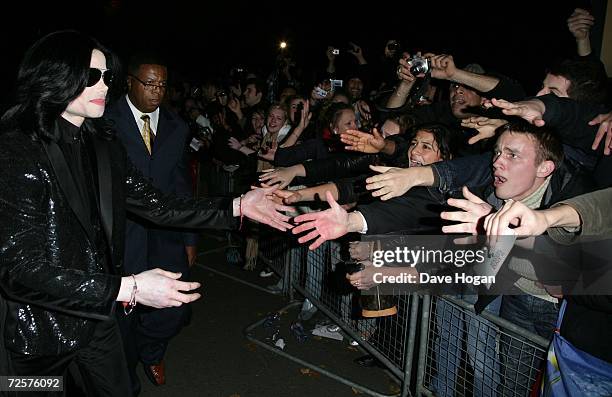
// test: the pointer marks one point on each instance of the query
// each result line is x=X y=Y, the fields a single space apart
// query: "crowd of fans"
x=380 y=144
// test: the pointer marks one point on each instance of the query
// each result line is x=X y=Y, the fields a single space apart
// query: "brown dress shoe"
x=156 y=373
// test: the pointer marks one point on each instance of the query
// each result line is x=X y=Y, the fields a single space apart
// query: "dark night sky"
x=518 y=40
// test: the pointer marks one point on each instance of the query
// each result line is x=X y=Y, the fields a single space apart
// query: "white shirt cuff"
x=364 y=229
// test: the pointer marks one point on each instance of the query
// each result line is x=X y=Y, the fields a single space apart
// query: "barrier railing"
x=482 y=355
x=457 y=352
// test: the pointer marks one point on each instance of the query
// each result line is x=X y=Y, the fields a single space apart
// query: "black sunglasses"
x=96 y=74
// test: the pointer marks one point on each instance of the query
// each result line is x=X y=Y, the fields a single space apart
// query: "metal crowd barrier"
x=457 y=352
x=214 y=180
x=462 y=353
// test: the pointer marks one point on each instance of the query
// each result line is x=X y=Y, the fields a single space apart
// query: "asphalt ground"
x=213 y=357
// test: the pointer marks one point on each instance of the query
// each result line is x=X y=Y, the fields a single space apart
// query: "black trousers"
x=101 y=365
x=146 y=333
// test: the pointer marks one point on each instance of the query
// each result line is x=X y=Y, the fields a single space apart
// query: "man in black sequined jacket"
x=65 y=188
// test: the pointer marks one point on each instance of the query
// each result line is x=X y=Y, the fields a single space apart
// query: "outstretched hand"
x=160 y=288
x=530 y=110
x=471 y=218
x=364 y=142
x=605 y=129
x=580 y=23
x=391 y=182
x=528 y=222
x=324 y=225
x=234 y=143
x=270 y=153
x=485 y=126
x=281 y=176
x=442 y=66
x=256 y=204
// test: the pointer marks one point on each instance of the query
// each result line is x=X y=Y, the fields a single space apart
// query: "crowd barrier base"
x=250 y=333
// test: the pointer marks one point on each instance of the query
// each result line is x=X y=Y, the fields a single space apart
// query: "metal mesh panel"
x=323 y=280
x=275 y=249
x=218 y=182
x=468 y=354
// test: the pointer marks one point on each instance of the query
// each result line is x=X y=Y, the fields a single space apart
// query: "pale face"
x=257 y=121
x=251 y=96
x=515 y=172
x=276 y=120
x=345 y=122
x=423 y=149
x=389 y=128
x=557 y=85
x=461 y=98
x=91 y=102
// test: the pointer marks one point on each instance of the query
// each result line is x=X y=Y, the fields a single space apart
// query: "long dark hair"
x=54 y=72
x=445 y=139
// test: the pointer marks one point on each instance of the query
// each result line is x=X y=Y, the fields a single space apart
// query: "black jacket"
x=55 y=280
x=148 y=246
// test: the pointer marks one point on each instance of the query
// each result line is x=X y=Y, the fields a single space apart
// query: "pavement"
x=212 y=356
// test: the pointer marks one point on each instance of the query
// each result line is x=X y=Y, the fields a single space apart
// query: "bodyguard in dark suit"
x=156 y=142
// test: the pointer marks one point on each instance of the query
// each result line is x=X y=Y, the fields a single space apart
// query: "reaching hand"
x=529 y=222
x=531 y=110
x=363 y=108
x=605 y=129
x=392 y=181
x=364 y=279
x=281 y=176
x=360 y=250
x=356 y=51
x=306 y=116
x=270 y=153
x=403 y=72
x=580 y=23
x=362 y=141
x=234 y=106
x=472 y=216
x=485 y=126
x=442 y=66
x=234 y=143
x=289 y=196
x=328 y=225
x=159 y=288
x=256 y=205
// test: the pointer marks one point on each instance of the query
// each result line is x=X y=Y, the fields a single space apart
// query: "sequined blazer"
x=59 y=269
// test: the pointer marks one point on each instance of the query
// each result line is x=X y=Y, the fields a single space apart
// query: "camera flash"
x=283 y=44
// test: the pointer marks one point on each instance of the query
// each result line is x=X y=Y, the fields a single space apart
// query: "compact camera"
x=419 y=65
x=336 y=51
x=335 y=83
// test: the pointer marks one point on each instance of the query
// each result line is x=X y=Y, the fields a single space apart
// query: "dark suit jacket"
x=148 y=246
x=54 y=278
